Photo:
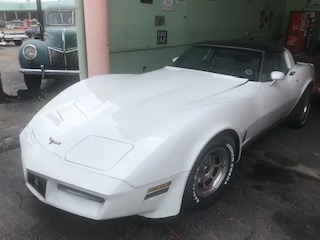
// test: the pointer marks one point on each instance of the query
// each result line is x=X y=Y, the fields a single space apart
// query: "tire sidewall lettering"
x=232 y=160
x=194 y=194
x=231 y=165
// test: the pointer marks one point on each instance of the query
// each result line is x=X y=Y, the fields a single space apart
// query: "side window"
x=53 y=18
x=273 y=61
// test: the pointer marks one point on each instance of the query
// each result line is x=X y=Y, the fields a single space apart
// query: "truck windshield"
x=61 y=17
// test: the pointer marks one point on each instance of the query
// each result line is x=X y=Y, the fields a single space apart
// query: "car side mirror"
x=276 y=76
x=175 y=59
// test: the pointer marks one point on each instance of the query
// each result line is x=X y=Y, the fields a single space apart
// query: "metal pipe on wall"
x=40 y=16
x=81 y=39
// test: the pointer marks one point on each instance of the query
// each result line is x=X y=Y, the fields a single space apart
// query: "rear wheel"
x=210 y=173
x=33 y=82
x=299 y=114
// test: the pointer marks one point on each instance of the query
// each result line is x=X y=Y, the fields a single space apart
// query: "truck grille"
x=67 y=60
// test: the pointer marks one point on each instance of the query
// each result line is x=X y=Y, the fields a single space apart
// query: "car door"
x=275 y=100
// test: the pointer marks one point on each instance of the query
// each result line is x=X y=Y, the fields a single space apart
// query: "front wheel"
x=210 y=173
x=299 y=114
x=33 y=82
x=18 y=42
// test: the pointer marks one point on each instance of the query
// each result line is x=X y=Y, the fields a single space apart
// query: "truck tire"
x=33 y=82
x=17 y=42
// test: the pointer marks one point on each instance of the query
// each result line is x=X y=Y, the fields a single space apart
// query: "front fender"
x=42 y=57
x=171 y=147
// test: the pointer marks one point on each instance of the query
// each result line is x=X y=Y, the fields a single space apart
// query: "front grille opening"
x=38 y=183
x=82 y=194
x=64 y=60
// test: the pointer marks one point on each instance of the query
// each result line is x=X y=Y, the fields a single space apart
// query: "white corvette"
x=148 y=144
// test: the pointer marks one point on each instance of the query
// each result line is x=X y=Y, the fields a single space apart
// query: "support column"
x=97 y=42
x=81 y=40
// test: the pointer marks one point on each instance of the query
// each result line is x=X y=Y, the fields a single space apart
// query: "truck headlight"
x=29 y=52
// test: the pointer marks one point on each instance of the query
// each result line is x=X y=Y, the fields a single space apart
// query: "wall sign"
x=159 y=21
x=162 y=37
x=167 y=5
x=266 y=18
x=181 y=1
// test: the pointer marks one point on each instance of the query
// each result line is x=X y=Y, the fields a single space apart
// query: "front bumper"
x=90 y=193
x=48 y=72
x=14 y=37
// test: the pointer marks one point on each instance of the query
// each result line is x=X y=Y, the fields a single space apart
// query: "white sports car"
x=148 y=144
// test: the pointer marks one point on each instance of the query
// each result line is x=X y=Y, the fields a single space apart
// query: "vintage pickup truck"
x=57 y=54
x=14 y=31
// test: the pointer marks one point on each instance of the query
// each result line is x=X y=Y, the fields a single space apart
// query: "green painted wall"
x=133 y=34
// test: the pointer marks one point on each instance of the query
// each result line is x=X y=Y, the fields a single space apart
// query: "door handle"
x=292 y=73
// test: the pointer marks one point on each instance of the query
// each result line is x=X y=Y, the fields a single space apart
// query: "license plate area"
x=38 y=183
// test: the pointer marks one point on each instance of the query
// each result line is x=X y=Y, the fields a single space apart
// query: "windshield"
x=61 y=17
x=230 y=61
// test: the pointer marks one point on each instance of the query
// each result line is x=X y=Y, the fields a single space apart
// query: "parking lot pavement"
x=274 y=193
x=296 y=150
x=14 y=116
x=12 y=80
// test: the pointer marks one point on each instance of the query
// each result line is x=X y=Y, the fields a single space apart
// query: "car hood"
x=151 y=94
x=136 y=102
x=62 y=37
x=122 y=108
